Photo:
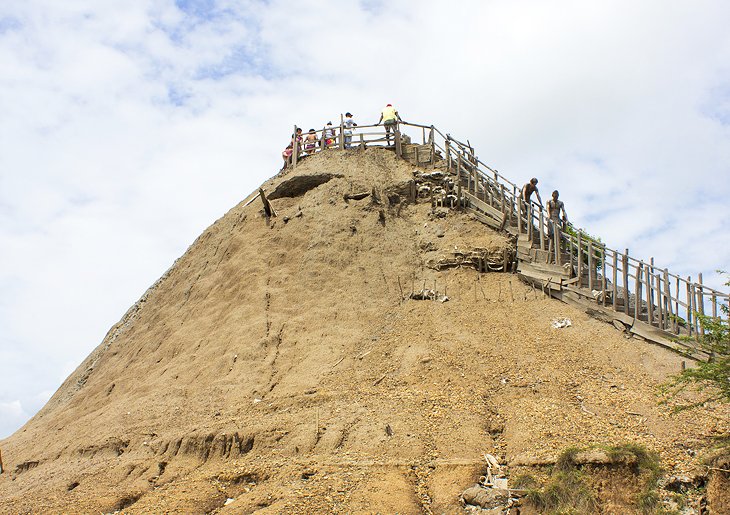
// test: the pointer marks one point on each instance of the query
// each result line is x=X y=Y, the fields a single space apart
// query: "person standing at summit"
x=348 y=123
x=390 y=118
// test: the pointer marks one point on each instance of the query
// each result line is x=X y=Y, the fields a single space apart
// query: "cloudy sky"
x=126 y=128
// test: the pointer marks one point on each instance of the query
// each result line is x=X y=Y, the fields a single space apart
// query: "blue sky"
x=126 y=131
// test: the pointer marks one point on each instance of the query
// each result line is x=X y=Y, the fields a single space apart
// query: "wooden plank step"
x=535 y=271
x=551 y=269
x=484 y=207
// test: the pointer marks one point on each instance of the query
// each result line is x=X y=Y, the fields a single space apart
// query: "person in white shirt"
x=349 y=124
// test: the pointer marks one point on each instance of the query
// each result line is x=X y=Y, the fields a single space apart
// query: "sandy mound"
x=277 y=367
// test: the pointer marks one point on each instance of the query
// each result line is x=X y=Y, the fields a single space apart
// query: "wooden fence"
x=640 y=289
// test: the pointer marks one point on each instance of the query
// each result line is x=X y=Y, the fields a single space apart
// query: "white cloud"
x=12 y=415
x=126 y=131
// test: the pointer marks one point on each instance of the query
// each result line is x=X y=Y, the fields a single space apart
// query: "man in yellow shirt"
x=390 y=119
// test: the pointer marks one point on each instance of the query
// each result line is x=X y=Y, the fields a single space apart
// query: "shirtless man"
x=530 y=188
x=554 y=207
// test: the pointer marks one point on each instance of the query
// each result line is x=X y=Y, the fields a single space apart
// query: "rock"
x=299 y=185
x=440 y=232
x=228 y=501
x=485 y=497
x=427 y=246
x=619 y=325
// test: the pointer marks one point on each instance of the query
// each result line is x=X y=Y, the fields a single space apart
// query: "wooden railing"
x=640 y=289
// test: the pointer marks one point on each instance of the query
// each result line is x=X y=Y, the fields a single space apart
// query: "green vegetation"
x=598 y=256
x=568 y=491
x=525 y=482
x=712 y=377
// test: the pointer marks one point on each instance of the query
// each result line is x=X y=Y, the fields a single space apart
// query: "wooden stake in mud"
x=268 y=208
x=316 y=435
x=1 y=463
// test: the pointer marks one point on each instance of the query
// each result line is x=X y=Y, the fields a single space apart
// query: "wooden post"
x=591 y=264
x=625 y=273
x=671 y=319
x=504 y=199
x=614 y=291
x=570 y=252
x=714 y=305
x=323 y=140
x=637 y=292
x=458 y=180
x=542 y=228
x=676 y=302
x=580 y=257
x=603 y=272
x=513 y=204
x=342 y=132
x=530 y=227
x=690 y=304
x=1 y=463
x=465 y=163
x=556 y=243
x=649 y=292
x=448 y=155
x=700 y=302
x=521 y=205
x=294 y=148
x=398 y=149
x=433 y=148
x=659 y=298
x=423 y=129
x=695 y=311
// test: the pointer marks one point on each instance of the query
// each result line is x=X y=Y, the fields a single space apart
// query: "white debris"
x=559 y=323
x=228 y=501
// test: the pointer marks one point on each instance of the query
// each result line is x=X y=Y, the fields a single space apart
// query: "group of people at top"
x=309 y=143
x=554 y=206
